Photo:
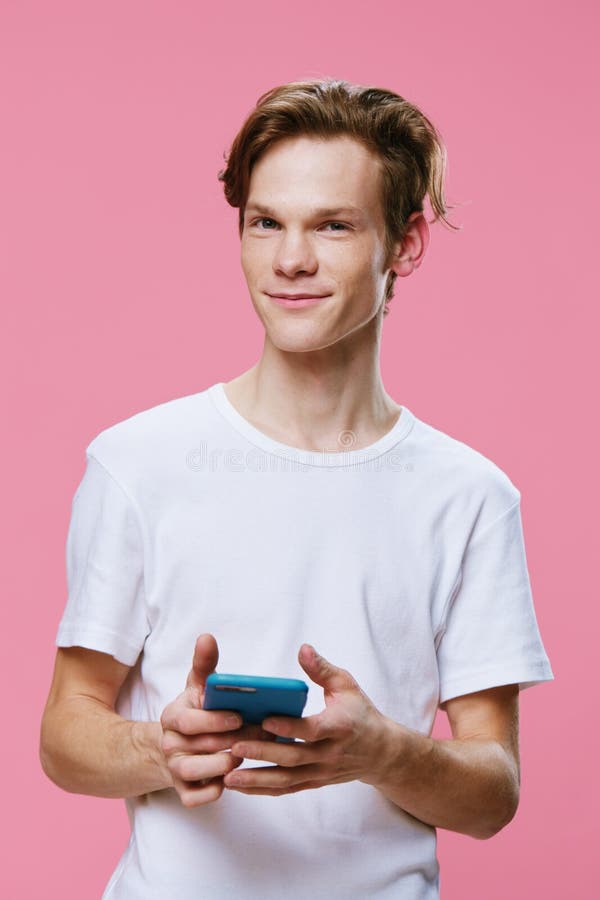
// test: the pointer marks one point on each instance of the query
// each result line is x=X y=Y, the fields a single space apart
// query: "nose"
x=294 y=255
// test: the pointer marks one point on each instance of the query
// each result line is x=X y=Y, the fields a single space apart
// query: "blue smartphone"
x=256 y=697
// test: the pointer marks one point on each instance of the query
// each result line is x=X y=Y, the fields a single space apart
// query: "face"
x=314 y=225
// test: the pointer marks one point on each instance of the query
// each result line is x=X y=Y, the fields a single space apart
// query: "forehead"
x=309 y=173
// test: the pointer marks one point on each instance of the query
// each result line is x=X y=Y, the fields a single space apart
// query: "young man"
x=299 y=511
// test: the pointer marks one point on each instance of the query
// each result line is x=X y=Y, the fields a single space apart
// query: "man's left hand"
x=347 y=741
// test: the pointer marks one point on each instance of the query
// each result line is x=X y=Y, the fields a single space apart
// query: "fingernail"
x=233 y=721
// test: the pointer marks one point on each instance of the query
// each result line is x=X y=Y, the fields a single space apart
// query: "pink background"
x=122 y=289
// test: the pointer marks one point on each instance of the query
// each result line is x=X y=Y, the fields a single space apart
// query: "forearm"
x=87 y=748
x=470 y=786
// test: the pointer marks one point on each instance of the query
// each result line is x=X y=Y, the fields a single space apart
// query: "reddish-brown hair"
x=410 y=150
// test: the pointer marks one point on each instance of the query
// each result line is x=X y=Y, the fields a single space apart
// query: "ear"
x=408 y=254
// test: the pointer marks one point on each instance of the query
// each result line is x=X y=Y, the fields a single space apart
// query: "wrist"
x=399 y=750
x=147 y=739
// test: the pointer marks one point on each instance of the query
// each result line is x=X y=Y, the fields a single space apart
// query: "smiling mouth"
x=300 y=301
x=299 y=296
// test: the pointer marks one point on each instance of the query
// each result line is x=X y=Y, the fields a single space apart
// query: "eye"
x=339 y=224
x=265 y=219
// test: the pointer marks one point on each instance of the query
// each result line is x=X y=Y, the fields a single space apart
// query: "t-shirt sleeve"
x=105 y=608
x=490 y=634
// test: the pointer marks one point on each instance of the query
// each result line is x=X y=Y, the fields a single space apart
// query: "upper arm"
x=85 y=683
x=80 y=672
x=492 y=714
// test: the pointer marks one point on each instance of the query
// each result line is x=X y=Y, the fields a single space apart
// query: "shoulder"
x=149 y=438
x=475 y=481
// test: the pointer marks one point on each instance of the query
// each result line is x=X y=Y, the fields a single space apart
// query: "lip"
x=297 y=301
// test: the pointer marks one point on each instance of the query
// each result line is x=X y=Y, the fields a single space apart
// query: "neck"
x=330 y=399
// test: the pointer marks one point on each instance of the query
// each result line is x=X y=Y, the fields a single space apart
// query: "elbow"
x=47 y=766
x=46 y=756
x=501 y=817
x=502 y=800
x=49 y=756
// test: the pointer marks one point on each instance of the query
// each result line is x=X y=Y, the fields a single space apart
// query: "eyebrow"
x=322 y=211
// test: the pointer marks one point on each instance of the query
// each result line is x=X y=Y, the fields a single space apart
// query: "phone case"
x=256 y=697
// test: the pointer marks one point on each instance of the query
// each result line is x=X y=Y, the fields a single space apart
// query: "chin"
x=300 y=343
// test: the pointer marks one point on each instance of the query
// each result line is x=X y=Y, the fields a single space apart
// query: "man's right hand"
x=195 y=741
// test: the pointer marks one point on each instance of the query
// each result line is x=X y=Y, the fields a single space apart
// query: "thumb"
x=322 y=672
x=206 y=657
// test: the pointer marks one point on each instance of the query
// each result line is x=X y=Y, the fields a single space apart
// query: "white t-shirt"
x=403 y=562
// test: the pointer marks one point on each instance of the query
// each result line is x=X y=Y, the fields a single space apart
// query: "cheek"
x=245 y=257
x=254 y=259
x=363 y=271
x=359 y=261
